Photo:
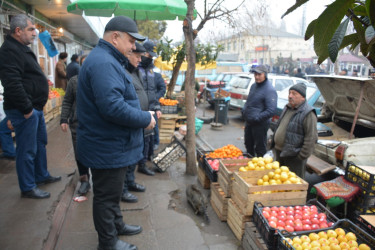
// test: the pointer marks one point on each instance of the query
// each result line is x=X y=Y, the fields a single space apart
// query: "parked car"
x=313 y=98
x=347 y=98
x=240 y=86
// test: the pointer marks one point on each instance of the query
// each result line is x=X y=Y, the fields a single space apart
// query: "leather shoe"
x=84 y=188
x=129 y=230
x=35 y=193
x=128 y=197
x=50 y=179
x=137 y=188
x=120 y=245
x=144 y=170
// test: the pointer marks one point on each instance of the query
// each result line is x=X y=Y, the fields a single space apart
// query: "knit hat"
x=124 y=24
x=300 y=88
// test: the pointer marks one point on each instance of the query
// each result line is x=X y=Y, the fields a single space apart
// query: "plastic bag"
x=198 y=125
x=269 y=153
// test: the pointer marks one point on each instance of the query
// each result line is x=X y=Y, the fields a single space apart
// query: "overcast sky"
x=276 y=9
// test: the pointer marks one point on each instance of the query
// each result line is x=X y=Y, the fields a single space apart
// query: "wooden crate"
x=166 y=129
x=228 y=167
x=251 y=239
x=236 y=220
x=244 y=190
x=203 y=179
x=218 y=201
x=48 y=116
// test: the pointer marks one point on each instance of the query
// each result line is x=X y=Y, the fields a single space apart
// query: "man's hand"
x=152 y=123
x=27 y=116
x=64 y=127
x=158 y=114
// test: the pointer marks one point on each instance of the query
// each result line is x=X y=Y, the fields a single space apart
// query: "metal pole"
x=357 y=110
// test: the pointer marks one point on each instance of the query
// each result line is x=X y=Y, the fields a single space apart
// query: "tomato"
x=306 y=222
x=266 y=214
x=306 y=227
x=273 y=224
x=280 y=223
x=314 y=226
x=289 y=228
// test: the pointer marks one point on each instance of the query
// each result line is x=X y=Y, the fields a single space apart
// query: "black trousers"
x=107 y=187
x=81 y=169
x=256 y=139
x=294 y=163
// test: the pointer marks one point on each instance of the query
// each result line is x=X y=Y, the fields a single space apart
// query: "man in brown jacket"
x=60 y=71
x=296 y=132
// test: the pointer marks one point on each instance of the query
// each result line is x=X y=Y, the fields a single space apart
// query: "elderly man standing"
x=296 y=132
x=25 y=94
x=110 y=130
x=260 y=106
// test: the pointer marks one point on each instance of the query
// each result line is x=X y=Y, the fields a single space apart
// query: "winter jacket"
x=141 y=93
x=60 y=75
x=160 y=86
x=150 y=83
x=111 y=122
x=68 y=108
x=25 y=85
x=299 y=136
x=72 y=69
x=261 y=103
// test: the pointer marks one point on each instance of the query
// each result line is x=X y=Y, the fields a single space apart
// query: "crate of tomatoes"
x=304 y=218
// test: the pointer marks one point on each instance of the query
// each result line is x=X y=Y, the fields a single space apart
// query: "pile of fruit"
x=298 y=218
x=280 y=175
x=167 y=102
x=260 y=163
x=330 y=240
x=228 y=151
x=55 y=92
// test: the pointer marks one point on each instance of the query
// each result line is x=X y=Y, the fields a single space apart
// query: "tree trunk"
x=189 y=89
x=172 y=83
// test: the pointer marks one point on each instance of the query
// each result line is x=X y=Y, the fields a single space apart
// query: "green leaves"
x=370 y=9
x=294 y=7
x=310 y=30
x=334 y=44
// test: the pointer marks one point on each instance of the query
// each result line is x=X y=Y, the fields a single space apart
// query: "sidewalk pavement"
x=60 y=223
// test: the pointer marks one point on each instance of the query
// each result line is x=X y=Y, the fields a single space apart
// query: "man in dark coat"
x=73 y=67
x=259 y=108
x=25 y=94
x=110 y=128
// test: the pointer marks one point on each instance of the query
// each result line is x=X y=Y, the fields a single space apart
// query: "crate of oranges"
x=278 y=186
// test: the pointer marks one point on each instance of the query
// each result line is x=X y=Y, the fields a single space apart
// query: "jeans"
x=81 y=169
x=6 y=139
x=256 y=139
x=107 y=187
x=31 y=155
x=148 y=149
x=129 y=178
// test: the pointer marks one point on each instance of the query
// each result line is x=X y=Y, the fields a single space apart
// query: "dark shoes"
x=129 y=230
x=120 y=245
x=137 y=188
x=128 y=197
x=50 y=179
x=6 y=157
x=84 y=188
x=35 y=193
x=144 y=170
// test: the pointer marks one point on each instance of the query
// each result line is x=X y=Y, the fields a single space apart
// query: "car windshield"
x=241 y=82
x=281 y=84
x=285 y=92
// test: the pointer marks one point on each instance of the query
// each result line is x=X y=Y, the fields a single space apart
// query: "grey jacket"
x=68 y=108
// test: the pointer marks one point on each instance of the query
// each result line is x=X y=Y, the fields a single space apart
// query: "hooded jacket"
x=111 y=122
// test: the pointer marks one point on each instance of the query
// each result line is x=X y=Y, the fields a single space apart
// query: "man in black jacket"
x=25 y=94
x=260 y=106
x=73 y=67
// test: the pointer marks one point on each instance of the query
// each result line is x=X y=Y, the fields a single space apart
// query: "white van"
x=240 y=86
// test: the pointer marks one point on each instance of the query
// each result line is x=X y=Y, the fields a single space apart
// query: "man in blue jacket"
x=260 y=106
x=110 y=129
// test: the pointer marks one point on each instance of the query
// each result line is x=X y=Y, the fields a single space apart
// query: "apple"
x=282 y=208
x=298 y=227
x=289 y=228
x=281 y=217
x=273 y=224
x=298 y=216
x=281 y=223
x=315 y=221
x=306 y=227
x=297 y=221
x=315 y=226
x=290 y=208
x=306 y=222
x=322 y=215
x=298 y=211
x=289 y=212
x=330 y=224
x=274 y=208
x=297 y=208
x=272 y=218
x=289 y=222
x=306 y=216
x=323 y=225
x=267 y=209
x=266 y=214
x=322 y=220
x=274 y=213
x=290 y=217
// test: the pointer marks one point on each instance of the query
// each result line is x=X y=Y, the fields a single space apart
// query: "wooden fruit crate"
x=228 y=167
x=251 y=239
x=218 y=201
x=236 y=220
x=244 y=188
x=203 y=179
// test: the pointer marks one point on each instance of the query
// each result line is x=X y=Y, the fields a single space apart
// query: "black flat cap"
x=139 y=48
x=124 y=24
x=260 y=69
